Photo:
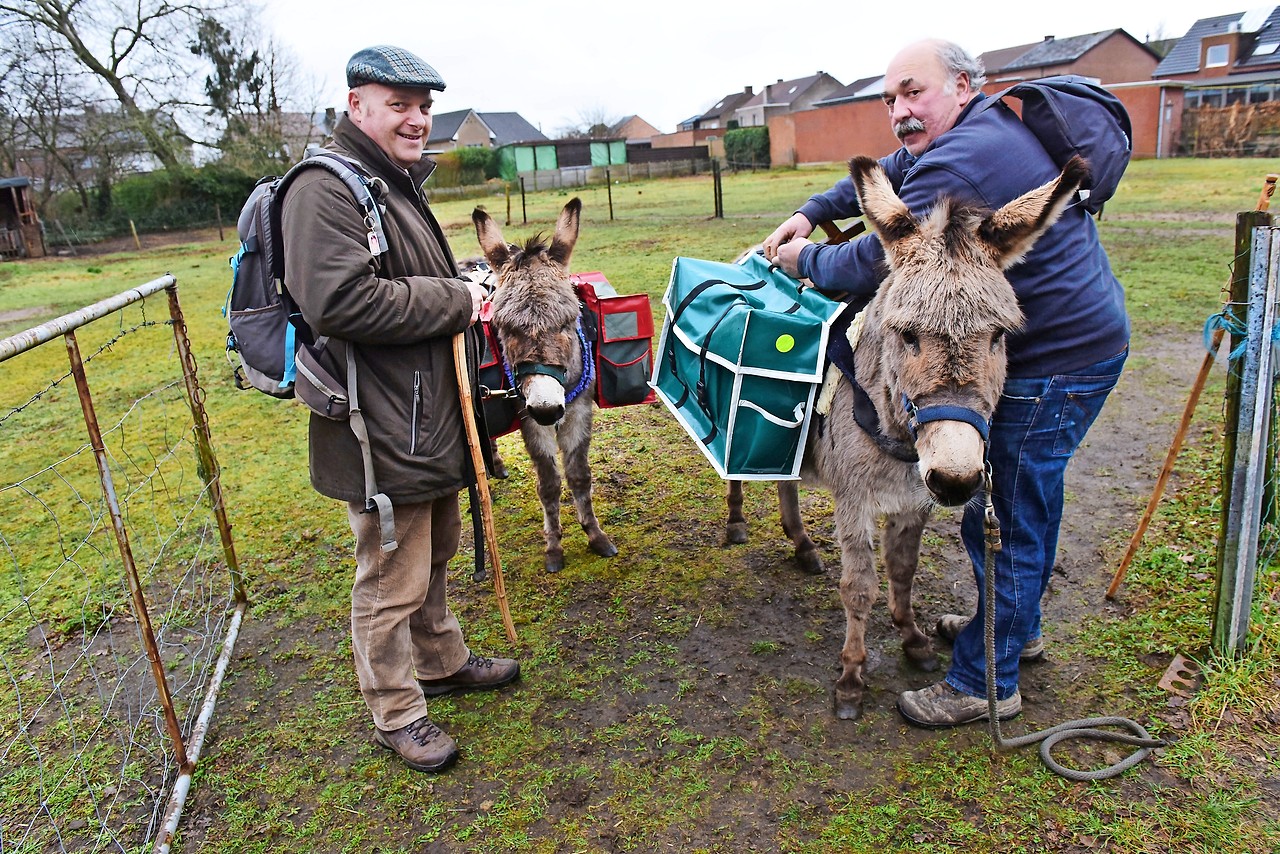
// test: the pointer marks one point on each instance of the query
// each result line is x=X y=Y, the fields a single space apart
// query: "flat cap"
x=391 y=66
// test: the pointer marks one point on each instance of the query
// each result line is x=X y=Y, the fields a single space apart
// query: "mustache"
x=908 y=126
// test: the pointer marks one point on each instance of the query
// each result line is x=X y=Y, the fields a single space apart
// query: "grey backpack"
x=270 y=347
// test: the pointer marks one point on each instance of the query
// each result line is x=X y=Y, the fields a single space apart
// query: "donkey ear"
x=490 y=237
x=890 y=218
x=566 y=232
x=1011 y=231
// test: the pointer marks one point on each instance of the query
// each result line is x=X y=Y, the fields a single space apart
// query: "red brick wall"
x=832 y=134
x=1144 y=103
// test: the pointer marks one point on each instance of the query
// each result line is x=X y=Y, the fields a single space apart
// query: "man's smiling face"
x=397 y=119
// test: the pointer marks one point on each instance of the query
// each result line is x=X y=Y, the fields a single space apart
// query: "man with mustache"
x=1062 y=364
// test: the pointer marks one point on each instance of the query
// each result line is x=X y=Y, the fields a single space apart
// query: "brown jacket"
x=400 y=312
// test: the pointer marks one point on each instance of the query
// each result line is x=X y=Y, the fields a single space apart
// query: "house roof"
x=1054 y=51
x=20 y=181
x=504 y=128
x=727 y=104
x=511 y=127
x=1184 y=58
x=994 y=60
x=1265 y=46
x=863 y=87
x=789 y=91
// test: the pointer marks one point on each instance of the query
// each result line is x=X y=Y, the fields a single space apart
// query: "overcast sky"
x=560 y=61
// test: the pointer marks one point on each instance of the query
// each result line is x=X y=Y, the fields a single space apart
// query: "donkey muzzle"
x=952 y=461
x=544 y=399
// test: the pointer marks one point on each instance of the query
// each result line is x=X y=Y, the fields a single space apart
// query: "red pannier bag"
x=501 y=414
x=621 y=330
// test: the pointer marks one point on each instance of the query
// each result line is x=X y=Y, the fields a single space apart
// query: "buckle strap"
x=373 y=499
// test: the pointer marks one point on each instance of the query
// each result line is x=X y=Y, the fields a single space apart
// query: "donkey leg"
x=499 y=465
x=857 y=594
x=541 y=445
x=807 y=557
x=902 y=533
x=575 y=442
x=735 y=530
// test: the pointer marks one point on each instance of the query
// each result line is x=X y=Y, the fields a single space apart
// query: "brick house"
x=854 y=122
x=472 y=129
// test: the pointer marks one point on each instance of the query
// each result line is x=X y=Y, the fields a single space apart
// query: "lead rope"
x=1083 y=728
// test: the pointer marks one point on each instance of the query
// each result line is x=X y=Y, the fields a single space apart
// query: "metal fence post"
x=1248 y=416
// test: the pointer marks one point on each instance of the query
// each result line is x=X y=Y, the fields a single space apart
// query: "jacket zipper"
x=417 y=411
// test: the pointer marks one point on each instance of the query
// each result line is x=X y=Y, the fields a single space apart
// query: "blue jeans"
x=1037 y=426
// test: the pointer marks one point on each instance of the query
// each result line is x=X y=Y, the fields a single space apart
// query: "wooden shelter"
x=21 y=234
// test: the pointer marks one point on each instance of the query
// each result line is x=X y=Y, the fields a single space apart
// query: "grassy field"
x=676 y=698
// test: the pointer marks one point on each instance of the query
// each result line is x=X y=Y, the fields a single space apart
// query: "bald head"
x=926 y=87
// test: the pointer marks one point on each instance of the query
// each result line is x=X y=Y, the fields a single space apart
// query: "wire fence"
x=120 y=596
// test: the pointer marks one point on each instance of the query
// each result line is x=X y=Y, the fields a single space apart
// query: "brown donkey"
x=930 y=358
x=538 y=321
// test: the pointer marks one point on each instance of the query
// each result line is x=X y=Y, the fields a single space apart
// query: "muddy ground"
x=1108 y=485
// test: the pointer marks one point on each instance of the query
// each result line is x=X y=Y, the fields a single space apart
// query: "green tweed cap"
x=391 y=66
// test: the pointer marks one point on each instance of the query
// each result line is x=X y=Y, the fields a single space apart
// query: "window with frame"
x=1216 y=56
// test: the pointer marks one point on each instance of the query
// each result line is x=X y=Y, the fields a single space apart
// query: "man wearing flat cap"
x=397 y=311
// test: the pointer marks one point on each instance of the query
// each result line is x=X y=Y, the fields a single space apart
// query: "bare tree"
x=593 y=123
x=136 y=51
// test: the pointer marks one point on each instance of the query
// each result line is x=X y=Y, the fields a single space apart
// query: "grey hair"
x=956 y=60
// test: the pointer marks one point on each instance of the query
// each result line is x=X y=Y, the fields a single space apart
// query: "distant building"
x=633 y=129
x=472 y=129
x=785 y=96
x=21 y=234
x=1228 y=59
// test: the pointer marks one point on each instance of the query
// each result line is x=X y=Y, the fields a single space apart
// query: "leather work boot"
x=940 y=706
x=478 y=674
x=422 y=745
x=951 y=625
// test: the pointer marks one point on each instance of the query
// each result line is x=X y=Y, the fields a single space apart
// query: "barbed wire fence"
x=120 y=594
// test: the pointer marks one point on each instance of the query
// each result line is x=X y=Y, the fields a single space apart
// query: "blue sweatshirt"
x=1074 y=306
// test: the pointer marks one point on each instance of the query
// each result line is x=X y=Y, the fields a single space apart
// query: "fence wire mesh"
x=87 y=752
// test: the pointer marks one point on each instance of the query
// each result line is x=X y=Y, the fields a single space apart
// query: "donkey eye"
x=911 y=340
x=996 y=338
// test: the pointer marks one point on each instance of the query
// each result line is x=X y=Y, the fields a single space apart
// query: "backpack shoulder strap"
x=364 y=188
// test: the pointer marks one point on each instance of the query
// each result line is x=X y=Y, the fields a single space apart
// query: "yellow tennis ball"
x=785 y=343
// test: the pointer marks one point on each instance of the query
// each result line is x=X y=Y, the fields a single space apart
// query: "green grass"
x=621 y=738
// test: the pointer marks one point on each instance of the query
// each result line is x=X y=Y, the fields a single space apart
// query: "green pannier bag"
x=740 y=361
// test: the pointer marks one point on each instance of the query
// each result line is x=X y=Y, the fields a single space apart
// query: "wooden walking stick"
x=482 y=479
x=1264 y=202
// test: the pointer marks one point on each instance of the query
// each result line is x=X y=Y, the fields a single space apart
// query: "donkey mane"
x=533 y=247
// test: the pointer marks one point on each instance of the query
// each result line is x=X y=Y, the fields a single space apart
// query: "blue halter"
x=525 y=369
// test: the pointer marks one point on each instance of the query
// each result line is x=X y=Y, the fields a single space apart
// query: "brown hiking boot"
x=951 y=625
x=422 y=745
x=478 y=674
x=940 y=706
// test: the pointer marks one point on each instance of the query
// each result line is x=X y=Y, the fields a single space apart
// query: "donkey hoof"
x=500 y=471
x=928 y=665
x=922 y=658
x=735 y=534
x=604 y=549
x=555 y=564
x=848 y=710
x=810 y=562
